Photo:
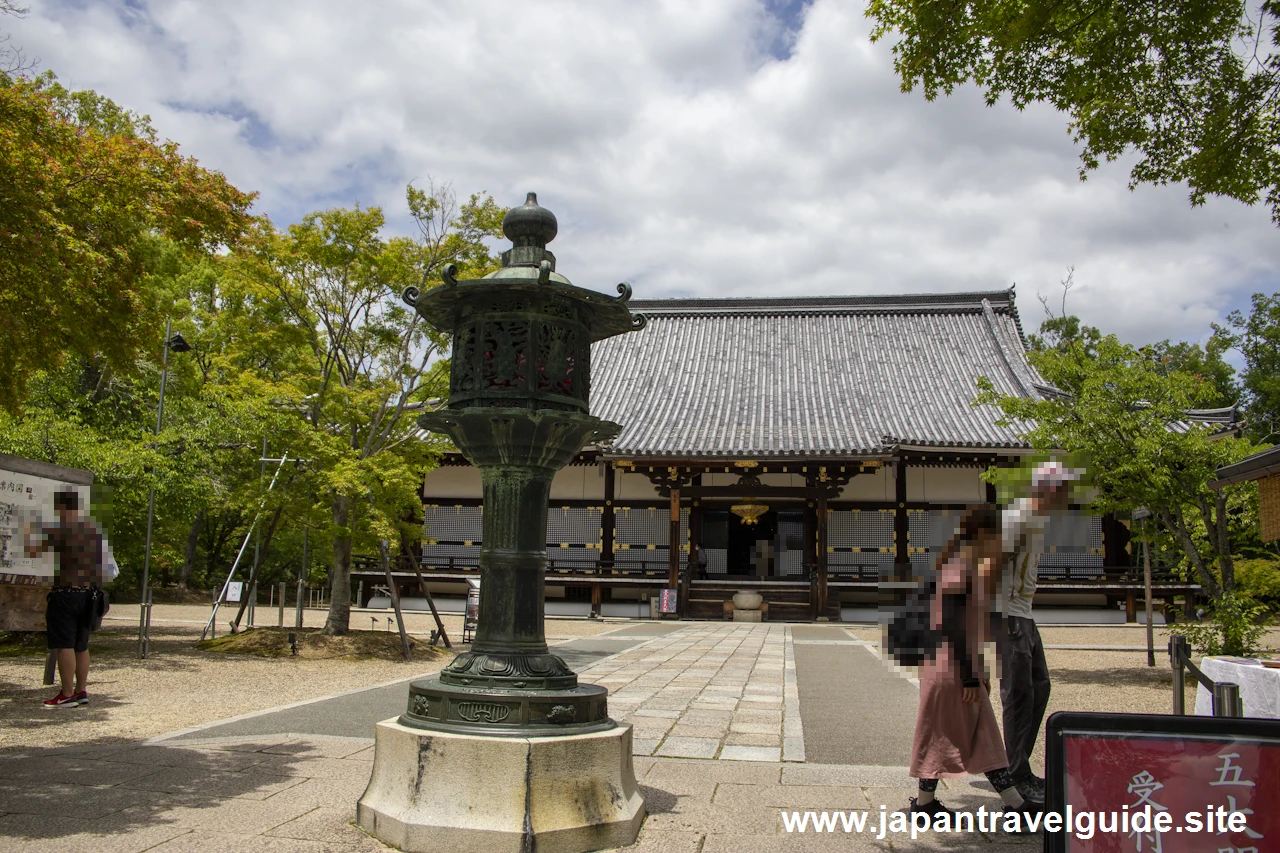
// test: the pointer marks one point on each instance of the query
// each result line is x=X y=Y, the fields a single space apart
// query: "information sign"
x=471 y=618
x=668 y=601
x=27 y=498
x=1192 y=773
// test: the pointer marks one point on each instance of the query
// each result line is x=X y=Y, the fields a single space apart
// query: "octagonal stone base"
x=433 y=791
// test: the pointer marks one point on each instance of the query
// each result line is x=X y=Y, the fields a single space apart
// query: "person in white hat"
x=1024 y=674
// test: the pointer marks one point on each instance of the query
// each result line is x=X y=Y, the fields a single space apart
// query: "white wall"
x=631 y=486
x=578 y=482
x=945 y=485
x=452 y=482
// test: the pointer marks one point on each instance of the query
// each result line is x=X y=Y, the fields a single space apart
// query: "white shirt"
x=1023 y=530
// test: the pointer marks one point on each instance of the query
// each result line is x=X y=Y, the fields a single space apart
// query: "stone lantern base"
x=433 y=791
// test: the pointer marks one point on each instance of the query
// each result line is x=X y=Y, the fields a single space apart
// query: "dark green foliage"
x=1190 y=85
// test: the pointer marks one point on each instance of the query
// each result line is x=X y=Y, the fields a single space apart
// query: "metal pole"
x=1179 y=676
x=1226 y=700
x=385 y=547
x=151 y=502
x=1146 y=571
x=217 y=602
x=302 y=572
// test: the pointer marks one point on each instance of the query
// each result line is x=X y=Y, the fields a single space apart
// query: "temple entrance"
x=770 y=548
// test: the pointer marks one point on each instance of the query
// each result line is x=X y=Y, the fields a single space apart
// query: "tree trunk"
x=189 y=559
x=339 y=620
x=1226 y=565
x=1175 y=522
x=1219 y=536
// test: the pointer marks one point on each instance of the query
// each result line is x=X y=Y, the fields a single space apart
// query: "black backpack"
x=910 y=636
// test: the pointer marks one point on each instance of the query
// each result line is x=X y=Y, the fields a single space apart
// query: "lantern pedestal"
x=434 y=791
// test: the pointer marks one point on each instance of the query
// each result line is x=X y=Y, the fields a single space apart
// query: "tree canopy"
x=85 y=188
x=1192 y=85
x=1124 y=409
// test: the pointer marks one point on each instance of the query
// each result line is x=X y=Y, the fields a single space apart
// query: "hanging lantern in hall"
x=749 y=511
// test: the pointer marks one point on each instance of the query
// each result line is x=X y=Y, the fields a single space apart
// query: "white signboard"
x=234 y=590
x=24 y=499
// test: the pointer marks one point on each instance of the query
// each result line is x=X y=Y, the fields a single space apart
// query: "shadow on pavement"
x=163 y=792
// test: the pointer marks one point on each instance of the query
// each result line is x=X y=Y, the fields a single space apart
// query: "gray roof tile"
x=811 y=376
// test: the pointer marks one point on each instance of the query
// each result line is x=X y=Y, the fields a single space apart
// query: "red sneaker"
x=61 y=701
x=82 y=697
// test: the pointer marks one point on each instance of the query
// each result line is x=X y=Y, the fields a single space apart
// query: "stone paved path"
x=708 y=691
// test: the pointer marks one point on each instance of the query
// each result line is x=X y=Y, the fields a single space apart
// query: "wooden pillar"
x=901 y=524
x=821 y=544
x=695 y=529
x=810 y=538
x=607 y=520
x=1130 y=607
x=673 y=542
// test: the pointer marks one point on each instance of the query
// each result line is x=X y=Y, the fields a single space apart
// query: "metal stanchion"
x=1226 y=700
x=1179 y=676
x=146 y=626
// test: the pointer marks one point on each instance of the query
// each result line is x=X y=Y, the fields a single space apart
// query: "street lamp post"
x=177 y=344
x=556 y=769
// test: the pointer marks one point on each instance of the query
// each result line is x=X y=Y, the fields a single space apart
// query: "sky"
x=718 y=148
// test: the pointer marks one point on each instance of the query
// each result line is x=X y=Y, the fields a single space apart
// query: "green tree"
x=1257 y=338
x=1191 y=85
x=1126 y=413
x=362 y=362
x=85 y=187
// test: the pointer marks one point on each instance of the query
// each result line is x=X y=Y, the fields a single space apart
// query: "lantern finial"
x=530 y=225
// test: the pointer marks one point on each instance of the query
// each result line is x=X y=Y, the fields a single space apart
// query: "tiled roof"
x=811 y=376
x=1265 y=463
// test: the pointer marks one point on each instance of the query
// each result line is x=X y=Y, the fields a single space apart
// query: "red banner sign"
x=1167 y=792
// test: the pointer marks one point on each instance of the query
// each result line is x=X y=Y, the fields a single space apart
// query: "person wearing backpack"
x=956 y=733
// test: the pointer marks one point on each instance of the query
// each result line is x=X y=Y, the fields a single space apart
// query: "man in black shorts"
x=77 y=547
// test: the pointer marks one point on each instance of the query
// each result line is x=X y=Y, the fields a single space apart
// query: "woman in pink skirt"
x=956 y=732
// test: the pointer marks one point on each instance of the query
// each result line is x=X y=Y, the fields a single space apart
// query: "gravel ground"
x=179 y=686
x=124 y=615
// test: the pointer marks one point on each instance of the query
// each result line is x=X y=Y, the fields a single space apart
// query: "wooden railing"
x=863 y=572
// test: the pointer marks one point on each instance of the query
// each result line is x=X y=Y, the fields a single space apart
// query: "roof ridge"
x=988 y=314
x=1000 y=300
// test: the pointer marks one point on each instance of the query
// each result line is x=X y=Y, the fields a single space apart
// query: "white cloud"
x=676 y=151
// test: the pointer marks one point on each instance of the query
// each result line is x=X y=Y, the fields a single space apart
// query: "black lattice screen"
x=641 y=533
x=859 y=542
x=573 y=537
x=451 y=532
x=1072 y=541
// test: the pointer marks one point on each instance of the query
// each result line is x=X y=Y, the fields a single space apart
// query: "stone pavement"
x=730 y=693
x=713 y=690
